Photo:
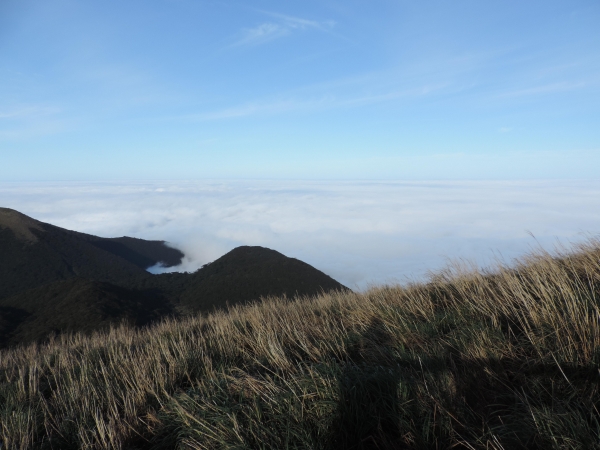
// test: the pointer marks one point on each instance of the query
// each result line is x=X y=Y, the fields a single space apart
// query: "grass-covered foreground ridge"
x=501 y=359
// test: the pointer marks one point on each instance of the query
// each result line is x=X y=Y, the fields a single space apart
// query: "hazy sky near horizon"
x=353 y=89
x=360 y=233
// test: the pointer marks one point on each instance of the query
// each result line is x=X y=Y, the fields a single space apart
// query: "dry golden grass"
x=493 y=360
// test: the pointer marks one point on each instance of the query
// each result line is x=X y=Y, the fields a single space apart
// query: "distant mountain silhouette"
x=55 y=280
x=34 y=253
x=247 y=273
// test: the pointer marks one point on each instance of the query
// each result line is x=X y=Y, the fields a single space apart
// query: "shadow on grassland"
x=387 y=398
x=455 y=401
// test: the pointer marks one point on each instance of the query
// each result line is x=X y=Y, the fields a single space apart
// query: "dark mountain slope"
x=76 y=305
x=248 y=273
x=52 y=279
x=56 y=256
x=140 y=252
x=33 y=253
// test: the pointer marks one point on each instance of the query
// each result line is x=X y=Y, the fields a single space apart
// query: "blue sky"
x=392 y=90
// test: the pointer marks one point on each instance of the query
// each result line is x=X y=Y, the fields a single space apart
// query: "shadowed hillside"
x=247 y=273
x=77 y=305
x=34 y=253
x=54 y=280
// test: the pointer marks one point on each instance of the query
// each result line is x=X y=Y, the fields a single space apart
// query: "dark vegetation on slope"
x=140 y=252
x=34 y=253
x=55 y=280
x=78 y=305
x=507 y=359
x=247 y=273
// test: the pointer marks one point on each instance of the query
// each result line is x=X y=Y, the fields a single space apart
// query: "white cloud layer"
x=360 y=233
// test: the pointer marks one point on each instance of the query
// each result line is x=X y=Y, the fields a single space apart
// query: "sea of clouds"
x=360 y=233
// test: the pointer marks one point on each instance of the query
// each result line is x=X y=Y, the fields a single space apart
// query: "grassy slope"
x=471 y=360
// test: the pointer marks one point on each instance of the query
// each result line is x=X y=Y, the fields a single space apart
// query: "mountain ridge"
x=19 y=223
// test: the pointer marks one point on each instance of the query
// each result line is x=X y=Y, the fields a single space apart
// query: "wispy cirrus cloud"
x=300 y=23
x=260 y=107
x=261 y=34
x=281 y=25
x=28 y=111
x=311 y=103
x=549 y=88
x=29 y=121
